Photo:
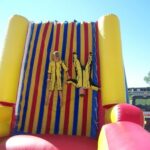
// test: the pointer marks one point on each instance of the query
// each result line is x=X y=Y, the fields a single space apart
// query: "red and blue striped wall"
x=79 y=115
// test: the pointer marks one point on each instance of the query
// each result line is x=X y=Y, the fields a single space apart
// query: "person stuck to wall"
x=54 y=76
x=83 y=75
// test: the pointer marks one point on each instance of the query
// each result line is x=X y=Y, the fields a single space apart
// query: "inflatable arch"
x=77 y=124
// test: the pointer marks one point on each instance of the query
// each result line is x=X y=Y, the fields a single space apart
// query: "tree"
x=147 y=79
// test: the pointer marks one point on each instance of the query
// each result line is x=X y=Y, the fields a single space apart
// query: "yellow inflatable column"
x=10 y=64
x=6 y=119
x=111 y=62
x=10 y=67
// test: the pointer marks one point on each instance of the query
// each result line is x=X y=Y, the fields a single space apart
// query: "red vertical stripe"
x=86 y=41
x=49 y=114
x=57 y=36
x=33 y=106
x=85 y=102
x=13 y=121
x=68 y=93
x=100 y=108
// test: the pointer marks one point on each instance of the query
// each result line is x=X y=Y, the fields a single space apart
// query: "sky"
x=134 y=16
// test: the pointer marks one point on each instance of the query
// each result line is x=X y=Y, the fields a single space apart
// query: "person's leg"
x=59 y=88
x=61 y=97
x=48 y=97
x=50 y=86
x=78 y=69
x=87 y=73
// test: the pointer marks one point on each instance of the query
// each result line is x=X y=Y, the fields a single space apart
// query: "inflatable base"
x=48 y=142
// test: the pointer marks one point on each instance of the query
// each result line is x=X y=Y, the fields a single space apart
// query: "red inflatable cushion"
x=127 y=112
x=48 y=142
x=26 y=142
x=126 y=136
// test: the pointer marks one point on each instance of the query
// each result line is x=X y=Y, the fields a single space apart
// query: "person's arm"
x=49 y=71
x=68 y=76
x=75 y=58
x=65 y=69
x=49 y=77
x=89 y=59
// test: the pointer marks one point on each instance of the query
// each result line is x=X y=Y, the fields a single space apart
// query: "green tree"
x=147 y=79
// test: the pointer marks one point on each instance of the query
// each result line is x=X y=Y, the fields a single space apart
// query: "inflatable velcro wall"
x=24 y=71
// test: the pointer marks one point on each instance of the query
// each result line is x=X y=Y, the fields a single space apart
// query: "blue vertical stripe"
x=95 y=80
x=25 y=68
x=39 y=126
x=64 y=40
x=57 y=120
x=30 y=77
x=76 y=103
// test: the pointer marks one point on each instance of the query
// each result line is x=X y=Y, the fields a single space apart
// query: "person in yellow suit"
x=83 y=78
x=54 y=76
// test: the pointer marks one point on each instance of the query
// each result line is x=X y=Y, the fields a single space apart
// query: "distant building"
x=140 y=97
x=139 y=91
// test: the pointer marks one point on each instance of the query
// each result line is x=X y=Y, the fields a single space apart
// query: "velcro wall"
x=24 y=70
x=78 y=115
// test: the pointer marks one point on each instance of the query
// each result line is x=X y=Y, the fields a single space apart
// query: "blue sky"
x=134 y=18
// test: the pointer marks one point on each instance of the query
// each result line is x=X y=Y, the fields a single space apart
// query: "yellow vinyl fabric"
x=5 y=120
x=102 y=140
x=111 y=114
x=10 y=66
x=11 y=60
x=4 y=129
x=111 y=62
